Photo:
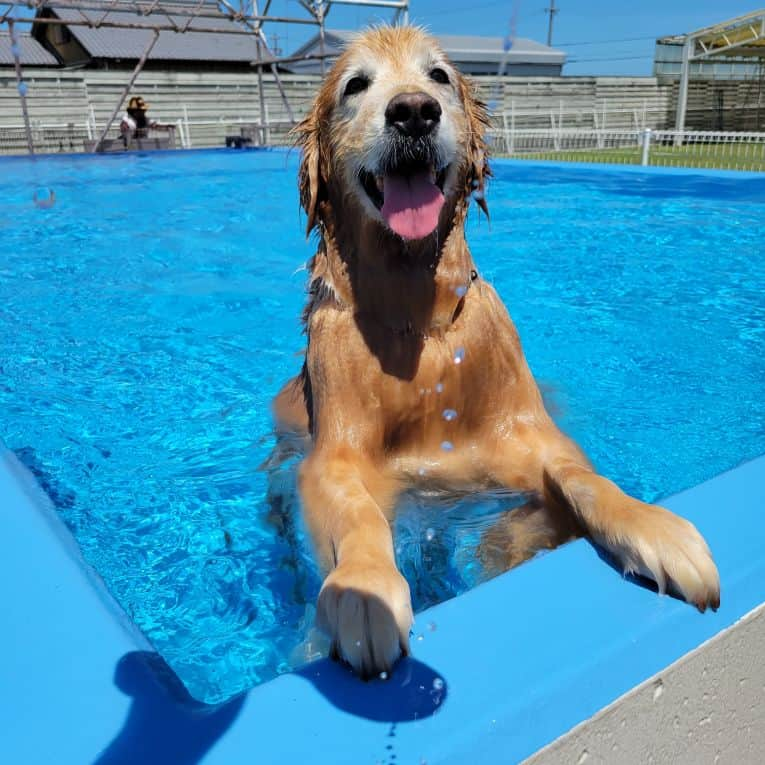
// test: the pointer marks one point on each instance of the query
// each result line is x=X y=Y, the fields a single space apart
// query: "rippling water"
x=149 y=317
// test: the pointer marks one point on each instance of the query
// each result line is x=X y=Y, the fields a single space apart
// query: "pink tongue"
x=412 y=205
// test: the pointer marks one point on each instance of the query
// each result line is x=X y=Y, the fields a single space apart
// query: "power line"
x=606 y=42
x=605 y=58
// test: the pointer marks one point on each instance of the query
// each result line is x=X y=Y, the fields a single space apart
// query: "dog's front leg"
x=645 y=539
x=364 y=604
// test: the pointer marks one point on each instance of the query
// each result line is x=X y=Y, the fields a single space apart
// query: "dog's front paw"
x=669 y=550
x=366 y=611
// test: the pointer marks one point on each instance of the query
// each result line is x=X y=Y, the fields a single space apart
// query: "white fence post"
x=186 y=123
x=646 y=147
x=511 y=147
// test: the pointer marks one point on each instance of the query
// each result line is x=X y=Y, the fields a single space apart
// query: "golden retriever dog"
x=401 y=328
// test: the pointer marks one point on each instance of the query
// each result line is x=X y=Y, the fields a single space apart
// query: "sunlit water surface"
x=149 y=317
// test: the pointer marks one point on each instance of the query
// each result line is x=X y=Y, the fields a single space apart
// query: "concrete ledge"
x=523 y=658
x=706 y=707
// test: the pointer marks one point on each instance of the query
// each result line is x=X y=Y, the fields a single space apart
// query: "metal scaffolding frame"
x=742 y=36
x=248 y=17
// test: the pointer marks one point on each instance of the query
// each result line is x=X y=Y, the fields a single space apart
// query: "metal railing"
x=73 y=137
x=662 y=148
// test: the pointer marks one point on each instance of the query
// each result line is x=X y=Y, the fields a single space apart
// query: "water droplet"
x=447 y=446
x=383 y=675
x=432 y=626
x=419 y=638
x=358 y=644
x=460 y=291
x=439 y=387
x=450 y=414
x=459 y=355
x=421 y=471
x=438 y=684
x=429 y=534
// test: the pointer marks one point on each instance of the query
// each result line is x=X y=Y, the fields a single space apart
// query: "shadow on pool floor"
x=166 y=726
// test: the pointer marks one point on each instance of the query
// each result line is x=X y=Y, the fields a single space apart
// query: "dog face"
x=395 y=132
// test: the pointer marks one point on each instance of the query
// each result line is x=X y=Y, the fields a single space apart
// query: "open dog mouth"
x=409 y=196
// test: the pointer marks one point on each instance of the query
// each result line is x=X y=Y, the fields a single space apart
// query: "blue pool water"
x=150 y=316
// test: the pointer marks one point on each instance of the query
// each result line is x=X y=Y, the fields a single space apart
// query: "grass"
x=718 y=156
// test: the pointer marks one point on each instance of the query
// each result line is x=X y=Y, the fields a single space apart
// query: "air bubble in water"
x=429 y=534
x=459 y=355
x=383 y=675
x=447 y=446
x=438 y=684
x=419 y=638
x=450 y=414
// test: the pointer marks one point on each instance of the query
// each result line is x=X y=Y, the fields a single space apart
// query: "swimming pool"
x=150 y=316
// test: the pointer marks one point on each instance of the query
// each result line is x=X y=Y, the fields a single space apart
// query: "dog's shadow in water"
x=165 y=725
x=413 y=691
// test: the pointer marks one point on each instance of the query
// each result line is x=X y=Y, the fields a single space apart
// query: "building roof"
x=32 y=53
x=741 y=36
x=462 y=48
x=123 y=43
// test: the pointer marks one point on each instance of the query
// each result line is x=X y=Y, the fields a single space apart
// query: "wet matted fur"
x=388 y=316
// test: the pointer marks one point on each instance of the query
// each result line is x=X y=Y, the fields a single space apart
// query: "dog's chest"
x=445 y=401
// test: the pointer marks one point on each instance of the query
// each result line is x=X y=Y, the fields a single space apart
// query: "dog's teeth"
x=380 y=181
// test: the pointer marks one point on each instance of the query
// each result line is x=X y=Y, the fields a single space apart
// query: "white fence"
x=72 y=137
x=668 y=148
x=722 y=150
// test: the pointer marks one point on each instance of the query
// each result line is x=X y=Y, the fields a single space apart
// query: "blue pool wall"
x=522 y=658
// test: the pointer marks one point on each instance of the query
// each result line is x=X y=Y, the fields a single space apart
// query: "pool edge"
x=477 y=718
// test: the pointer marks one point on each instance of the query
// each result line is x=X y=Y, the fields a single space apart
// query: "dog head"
x=395 y=136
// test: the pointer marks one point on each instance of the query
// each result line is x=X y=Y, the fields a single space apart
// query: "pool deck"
x=523 y=658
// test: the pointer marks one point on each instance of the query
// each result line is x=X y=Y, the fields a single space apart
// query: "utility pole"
x=551 y=11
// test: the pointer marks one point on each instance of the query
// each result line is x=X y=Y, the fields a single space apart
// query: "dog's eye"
x=439 y=76
x=355 y=85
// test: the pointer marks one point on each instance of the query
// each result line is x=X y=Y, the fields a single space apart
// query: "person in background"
x=135 y=123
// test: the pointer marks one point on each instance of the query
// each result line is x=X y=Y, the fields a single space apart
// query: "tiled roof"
x=465 y=47
x=32 y=53
x=112 y=42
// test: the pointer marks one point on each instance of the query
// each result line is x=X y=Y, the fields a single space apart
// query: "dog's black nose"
x=413 y=114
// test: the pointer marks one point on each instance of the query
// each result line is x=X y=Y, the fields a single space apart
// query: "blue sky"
x=600 y=36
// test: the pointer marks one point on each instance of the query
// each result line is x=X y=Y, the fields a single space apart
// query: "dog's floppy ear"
x=478 y=156
x=310 y=181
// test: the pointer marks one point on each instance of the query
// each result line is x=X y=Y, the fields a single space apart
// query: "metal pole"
x=20 y=84
x=131 y=81
x=261 y=94
x=551 y=11
x=320 y=13
x=682 y=94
